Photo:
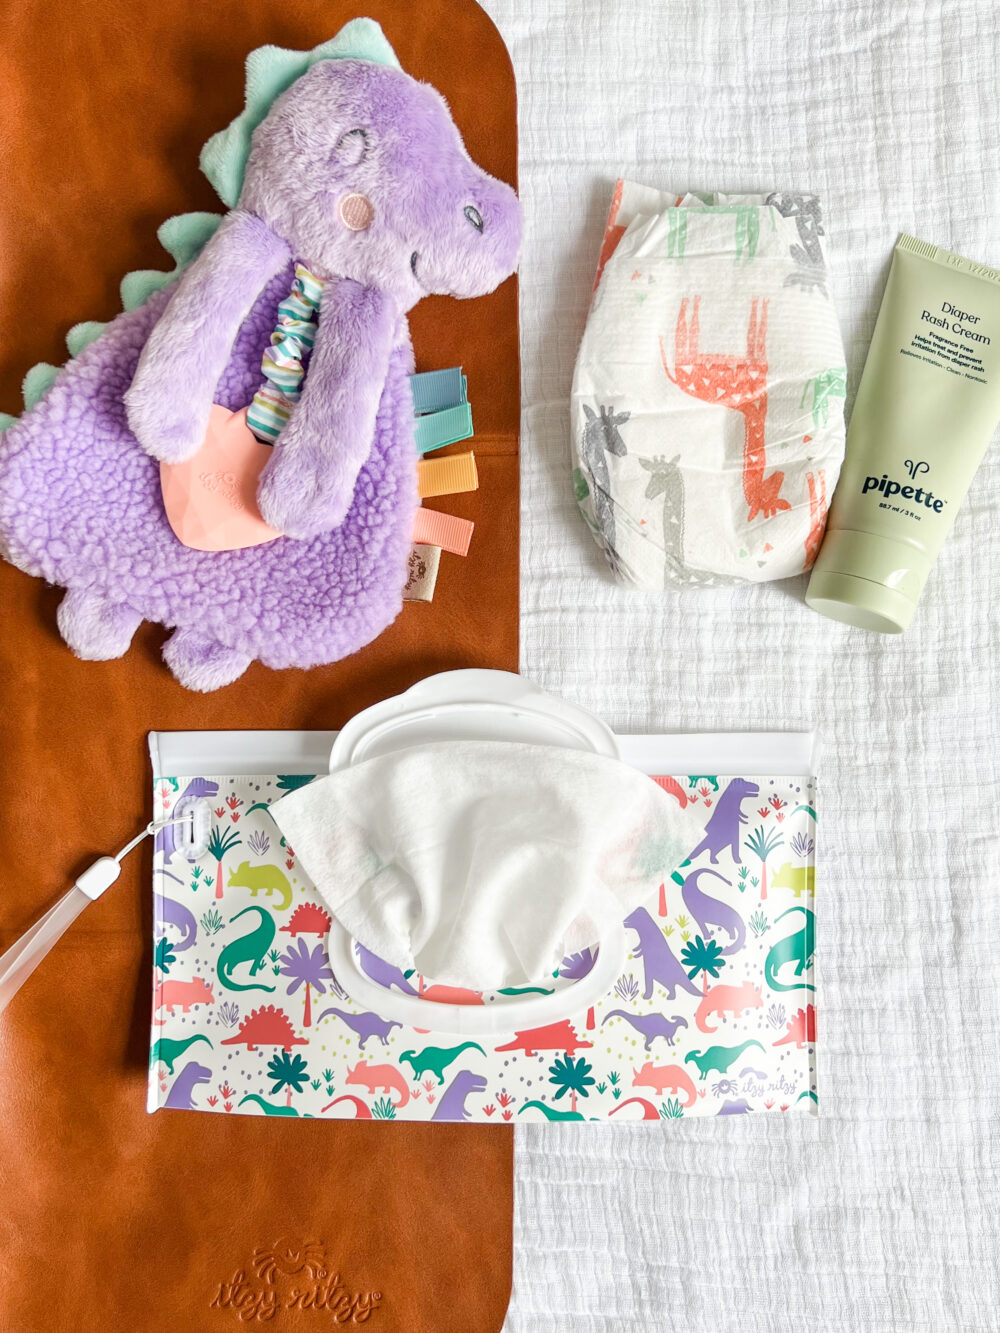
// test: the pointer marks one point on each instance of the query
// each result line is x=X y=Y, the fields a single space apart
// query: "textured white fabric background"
x=882 y=1214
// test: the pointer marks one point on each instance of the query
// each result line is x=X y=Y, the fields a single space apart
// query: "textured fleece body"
x=80 y=506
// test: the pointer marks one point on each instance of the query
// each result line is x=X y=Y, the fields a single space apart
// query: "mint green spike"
x=82 y=335
x=184 y=236
x=6 y=420
x=139 y=285
x=37 y=383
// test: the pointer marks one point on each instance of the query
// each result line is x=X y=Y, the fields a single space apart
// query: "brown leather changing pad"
x=111 y=1218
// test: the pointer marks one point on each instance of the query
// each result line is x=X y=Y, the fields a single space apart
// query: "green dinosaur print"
x=436 y=1059
x=820 y=389
x=693 y=781
x=797 y=948
x=168 y=1049
x=719 y=1058
x=250 y=948
x=270 y=878
x=550 y=1113
x=524 y=990
x=580 y=488
x=270 y=1108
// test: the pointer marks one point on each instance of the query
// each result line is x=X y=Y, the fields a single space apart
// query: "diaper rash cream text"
x=959 y=321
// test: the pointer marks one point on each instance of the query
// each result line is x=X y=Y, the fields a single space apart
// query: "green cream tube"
x=927 y=407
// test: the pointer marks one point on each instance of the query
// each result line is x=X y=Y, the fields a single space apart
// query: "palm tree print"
x=705 y=957
x=163 y=955
x=572 y=1076
x=307 y=968
x=762 y=845
x=218 y=845
x=288 y=1072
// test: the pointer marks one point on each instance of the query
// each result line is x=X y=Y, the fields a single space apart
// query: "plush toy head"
x=360 y=168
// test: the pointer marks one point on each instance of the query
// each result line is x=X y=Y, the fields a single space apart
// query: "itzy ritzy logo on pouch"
x=288 y=1276
x=885 y=485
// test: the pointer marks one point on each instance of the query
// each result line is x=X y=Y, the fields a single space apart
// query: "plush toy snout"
x=486 y=241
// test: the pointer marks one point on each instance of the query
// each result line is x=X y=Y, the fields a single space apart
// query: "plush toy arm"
x=306 y=488
x=171 y=395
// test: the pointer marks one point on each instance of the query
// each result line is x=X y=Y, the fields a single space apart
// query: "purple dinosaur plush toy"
x=358 y=173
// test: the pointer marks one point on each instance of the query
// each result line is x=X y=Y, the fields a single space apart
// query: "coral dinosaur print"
x=714 y=1012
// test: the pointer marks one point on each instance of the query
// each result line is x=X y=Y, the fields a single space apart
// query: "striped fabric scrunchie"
x=282 y=362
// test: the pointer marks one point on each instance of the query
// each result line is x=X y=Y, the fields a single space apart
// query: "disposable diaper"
x=707 y=403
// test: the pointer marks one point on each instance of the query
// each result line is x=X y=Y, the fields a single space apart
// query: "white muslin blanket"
x=707 y=406
x=482 y=863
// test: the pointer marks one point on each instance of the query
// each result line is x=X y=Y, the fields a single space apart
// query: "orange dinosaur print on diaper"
x=739 y=383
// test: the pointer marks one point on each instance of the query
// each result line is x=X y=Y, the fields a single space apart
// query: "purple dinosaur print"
x=365 y=1026
x=452 y=1103
x=170 y=913
x=179 y=1098
x=659 y=964
x=166 y=839
x=383 y=973
x=723 y=829
x=650 y=1025
x=738 y=1106
x=707 y=910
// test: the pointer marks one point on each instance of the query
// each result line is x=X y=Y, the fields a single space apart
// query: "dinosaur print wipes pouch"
x=259 y=1010
x=707 y=403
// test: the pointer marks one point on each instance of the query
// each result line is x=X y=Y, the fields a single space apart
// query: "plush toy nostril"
x=356 y=211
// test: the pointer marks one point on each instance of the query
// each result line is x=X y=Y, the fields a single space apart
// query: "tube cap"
x=868 y=581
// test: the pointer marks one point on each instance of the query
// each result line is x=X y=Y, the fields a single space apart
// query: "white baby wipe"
x=483 y=863
x=707 y=402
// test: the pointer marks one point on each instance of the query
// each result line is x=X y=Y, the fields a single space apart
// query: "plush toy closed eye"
x=352 y=196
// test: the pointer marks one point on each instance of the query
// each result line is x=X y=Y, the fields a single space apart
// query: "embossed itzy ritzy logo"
x=225 y=484
x=293 y=1277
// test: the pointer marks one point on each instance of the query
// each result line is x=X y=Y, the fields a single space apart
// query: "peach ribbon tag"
x=211 y=499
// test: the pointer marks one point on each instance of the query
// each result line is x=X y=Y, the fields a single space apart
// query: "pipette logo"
x=887 y=487
x=916 y=468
